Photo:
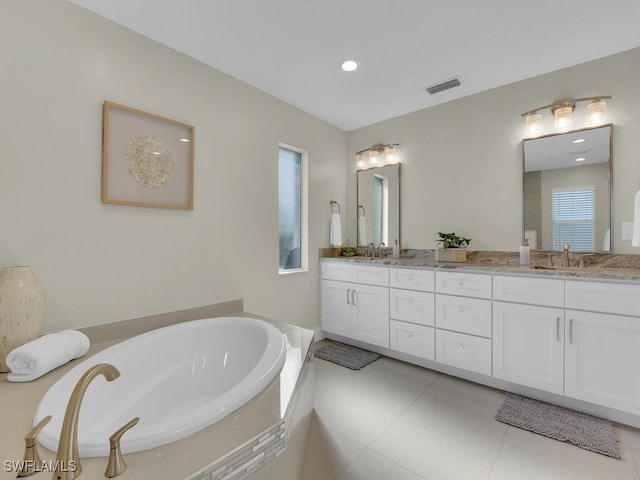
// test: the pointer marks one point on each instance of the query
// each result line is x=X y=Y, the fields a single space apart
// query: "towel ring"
x=332 y=203
x=364 y=213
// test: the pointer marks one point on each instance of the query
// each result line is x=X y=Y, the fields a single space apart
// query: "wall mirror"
x=379 y=205
x=568 y=190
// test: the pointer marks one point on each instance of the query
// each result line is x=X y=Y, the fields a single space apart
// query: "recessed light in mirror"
x=579 y=140
x=350 y=65
x=581 y=159
x=185 y=140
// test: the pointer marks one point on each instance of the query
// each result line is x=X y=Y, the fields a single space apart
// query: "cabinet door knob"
x=461 y=348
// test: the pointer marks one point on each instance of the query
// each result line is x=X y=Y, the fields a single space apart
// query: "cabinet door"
x=371 y=315
x=528 y=345
x=335 y=316
x=602 y=359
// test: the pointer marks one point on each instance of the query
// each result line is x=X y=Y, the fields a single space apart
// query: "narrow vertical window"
x=380 y=209
x=292 y=210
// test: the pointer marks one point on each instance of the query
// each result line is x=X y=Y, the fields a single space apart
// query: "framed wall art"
x=147 y=160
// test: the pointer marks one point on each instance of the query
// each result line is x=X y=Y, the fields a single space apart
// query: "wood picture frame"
x=147 y=160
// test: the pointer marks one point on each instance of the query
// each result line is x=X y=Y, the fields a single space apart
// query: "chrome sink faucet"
x=67 y=460
x=371 y=250
x=382 y=244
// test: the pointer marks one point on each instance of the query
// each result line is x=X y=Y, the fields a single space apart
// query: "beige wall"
x=102 y=263
x=462 y=161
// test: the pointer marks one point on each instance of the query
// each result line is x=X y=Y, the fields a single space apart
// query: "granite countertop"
x=604 y=266
x=175 y=460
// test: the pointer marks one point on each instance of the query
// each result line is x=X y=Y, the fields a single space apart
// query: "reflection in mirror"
x=379 y=205
x=567 y=190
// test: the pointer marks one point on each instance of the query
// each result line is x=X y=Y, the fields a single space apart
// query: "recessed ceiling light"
x=350 y=65
x=581 y=159
x=579 y=140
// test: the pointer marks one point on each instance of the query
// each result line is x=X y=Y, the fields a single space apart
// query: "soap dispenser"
x=525 y=253
x=396 y=250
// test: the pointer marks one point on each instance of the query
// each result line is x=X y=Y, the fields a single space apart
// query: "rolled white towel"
x=335 y=234
x=362 y=231
x=40 y=356
x=635 y=238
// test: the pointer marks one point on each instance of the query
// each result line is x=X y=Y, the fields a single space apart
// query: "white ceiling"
x=292 y=49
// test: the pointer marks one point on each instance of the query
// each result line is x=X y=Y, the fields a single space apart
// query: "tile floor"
x=395 y=421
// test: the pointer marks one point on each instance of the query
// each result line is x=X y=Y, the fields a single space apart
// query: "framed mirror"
x=378 y=204
x=567 y=190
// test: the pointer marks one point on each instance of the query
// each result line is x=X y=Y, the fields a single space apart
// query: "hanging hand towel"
x=606 y=242
x=635 y=240
x=335 y=236
x=40 y=356
x=362 y=230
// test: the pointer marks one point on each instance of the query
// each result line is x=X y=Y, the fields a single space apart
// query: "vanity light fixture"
x=377 y=155
x=563 y=114
x=596 y=112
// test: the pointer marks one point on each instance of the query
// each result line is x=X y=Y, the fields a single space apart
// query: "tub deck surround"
x=605 y=266
x=270 y=411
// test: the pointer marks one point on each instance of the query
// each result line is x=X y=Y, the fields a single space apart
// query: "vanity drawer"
x=411 y=279
x=464 y=351
x=463 y=314
x=411 y=306
x=466 y=284
x=603 y=297
x=336 y=271
x=412 y=339
x=534 y=291
x=371 y=275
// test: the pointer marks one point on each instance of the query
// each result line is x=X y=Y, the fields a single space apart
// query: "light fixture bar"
x=378 y=147
x=561 y=102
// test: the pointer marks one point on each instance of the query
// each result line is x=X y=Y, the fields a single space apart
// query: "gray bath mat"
x=346 y=355
x=585 y=431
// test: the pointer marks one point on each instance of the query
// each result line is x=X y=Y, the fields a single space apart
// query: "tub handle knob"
x=116 y=465
x=32 y=462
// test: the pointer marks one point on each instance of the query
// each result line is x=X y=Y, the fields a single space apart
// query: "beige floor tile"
x=372 y=466
x=398 y=380
x=328 y=452
x=519 y=463
x=357 y=412
x=464 y=402
x=437 y=448
x=576 y=457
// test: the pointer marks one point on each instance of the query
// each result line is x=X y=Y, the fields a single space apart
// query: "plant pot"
x=456 y=255
x=22 y=301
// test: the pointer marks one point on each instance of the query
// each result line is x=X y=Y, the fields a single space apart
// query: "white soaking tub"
x=178 y=380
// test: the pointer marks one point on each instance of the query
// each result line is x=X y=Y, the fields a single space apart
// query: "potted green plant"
x=348 y=251
x=451 y=248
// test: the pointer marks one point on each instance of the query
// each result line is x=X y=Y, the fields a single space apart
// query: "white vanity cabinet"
x=411 y=312
x=528 y=336
x=602 y=352
x=463 y=320
x=355 y=302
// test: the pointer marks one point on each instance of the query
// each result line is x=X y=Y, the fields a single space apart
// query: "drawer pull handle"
x=411 y=335
x=348 y=292
x=353 y=297
x=558 y=329
x=461 y=283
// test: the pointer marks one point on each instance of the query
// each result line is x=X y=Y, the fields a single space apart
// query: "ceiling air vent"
x=443 y=86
